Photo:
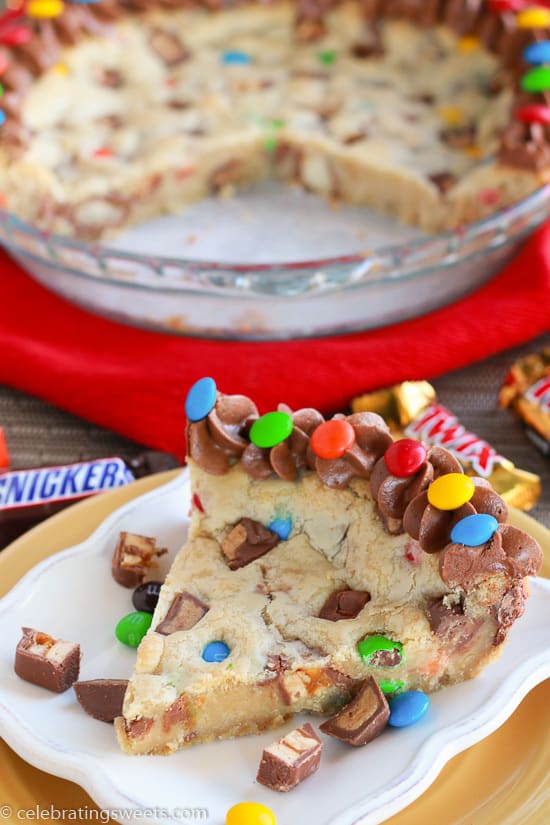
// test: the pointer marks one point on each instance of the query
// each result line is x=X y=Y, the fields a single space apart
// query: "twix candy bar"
x=411 y=410
x=526 y=390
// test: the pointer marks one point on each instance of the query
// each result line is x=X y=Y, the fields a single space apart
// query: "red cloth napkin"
x=135 y=382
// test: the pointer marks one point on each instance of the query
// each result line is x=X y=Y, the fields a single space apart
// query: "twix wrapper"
x=411 y=410
x=526 y=390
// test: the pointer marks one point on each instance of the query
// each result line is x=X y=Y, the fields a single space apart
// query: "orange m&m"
x=332 y=438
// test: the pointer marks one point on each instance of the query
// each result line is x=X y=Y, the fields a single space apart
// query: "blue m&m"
x=215 y=652
x=474 y=530
x=281 y=526
x=407 y=708
x=537 y=53
x=236 y=58
x=201 y=399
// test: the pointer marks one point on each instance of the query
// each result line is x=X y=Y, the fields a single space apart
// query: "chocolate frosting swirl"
x=393 y=495
x=509 y=551
x=222 y=435
x=432 y=527
x=291 y=455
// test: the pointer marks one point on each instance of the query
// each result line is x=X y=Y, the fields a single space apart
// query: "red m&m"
x=534 y=113
x=405 y=457
x=332 y=438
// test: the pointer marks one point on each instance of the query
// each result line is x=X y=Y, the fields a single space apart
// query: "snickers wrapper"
x=411 y=410
x=27 y=497
x=526 y=391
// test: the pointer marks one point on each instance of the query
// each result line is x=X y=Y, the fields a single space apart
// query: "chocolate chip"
x=441 y=616
x=459 y=137
x=344 y=604
x=290 y=760
x=364 y=51
x=247 y=541
x=101 y=698
x=168 y=47
x=363 y=719
x=184 y=613
x=443 y=180
x=47 y=662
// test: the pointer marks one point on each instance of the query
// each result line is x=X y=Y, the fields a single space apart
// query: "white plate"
x=73 y=595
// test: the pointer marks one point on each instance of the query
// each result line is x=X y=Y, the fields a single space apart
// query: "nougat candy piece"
x=290 y=760
x=50 y=663
x=133 y=556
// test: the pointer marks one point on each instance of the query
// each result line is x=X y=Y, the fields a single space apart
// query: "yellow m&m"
x=451 y=491
x=43 y=9
x=534 y=17
x=250 y=813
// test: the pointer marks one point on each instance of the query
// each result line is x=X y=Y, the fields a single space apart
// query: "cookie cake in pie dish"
x=321 y=555
x=433 y=111
x=345 y=131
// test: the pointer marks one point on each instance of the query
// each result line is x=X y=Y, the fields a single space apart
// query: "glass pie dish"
x=297 y=267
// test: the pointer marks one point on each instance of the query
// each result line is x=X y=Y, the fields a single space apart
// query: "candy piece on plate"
x=101 y=698
x=290 y=760
x=50 y=663
x=363 y=719
x=133 y=557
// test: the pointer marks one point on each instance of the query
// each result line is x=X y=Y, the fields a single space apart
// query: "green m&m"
x=132 y=628
x=270 y=429
x=536 y=80
x=379 y=651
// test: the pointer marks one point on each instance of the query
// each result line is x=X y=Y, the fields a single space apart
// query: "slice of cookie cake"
x=320 y=553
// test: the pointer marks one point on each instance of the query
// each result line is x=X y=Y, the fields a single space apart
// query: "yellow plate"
x=503 y=780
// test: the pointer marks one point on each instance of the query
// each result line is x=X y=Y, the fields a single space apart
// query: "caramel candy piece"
x=50 y=663
x=133 y=557
x=184 y=612
x=247 y=541
x=101 y=698
x=290 y=760
x=344 y=604
x=363 y=719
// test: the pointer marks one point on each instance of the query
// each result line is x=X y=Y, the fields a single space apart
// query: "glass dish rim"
x=396 y=262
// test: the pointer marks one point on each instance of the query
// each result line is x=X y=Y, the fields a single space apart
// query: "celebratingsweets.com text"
x=50 y=813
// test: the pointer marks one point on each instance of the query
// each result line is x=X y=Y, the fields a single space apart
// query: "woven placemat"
x=38 y=433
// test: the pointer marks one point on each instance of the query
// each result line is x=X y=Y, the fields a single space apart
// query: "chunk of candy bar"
x=101 y=698
x=184 y=612
x=344 y=604
x=133 y=557
x=290 y=760
x=45 y=661
x=363 y=719
x=247 y=541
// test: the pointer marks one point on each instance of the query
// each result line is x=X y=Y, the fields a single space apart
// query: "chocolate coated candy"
x=50 y=663
x=290 y=760
x=184 y=613
x=408 y=708
x=146 y=596
x=379 y=651
x=363 y=719
x=247 y=541
x=101 y=698
x=132 y=628
x=133 y=557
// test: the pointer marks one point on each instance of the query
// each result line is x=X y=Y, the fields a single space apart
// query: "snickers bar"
x=290 y=760
x=51 y=663
x=29 y=496
x=526 y=391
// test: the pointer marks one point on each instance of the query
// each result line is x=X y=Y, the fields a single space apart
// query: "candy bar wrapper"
x=411 y=410
x=526 y=391
x=29 y=496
